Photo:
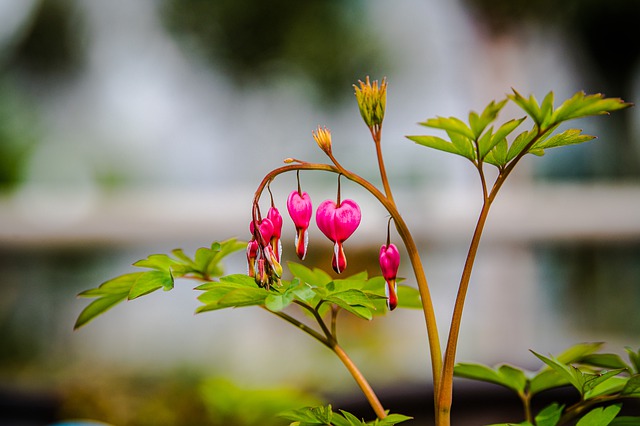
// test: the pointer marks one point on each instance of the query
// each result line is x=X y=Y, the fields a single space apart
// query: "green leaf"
x=354 y=301
x=601 y=383
x=530 y=106
x=582 y=106
x=546 y=379
x=436 y=143
x=277 y=302
x=409 y=297
x=568 y=372
x=600 y=416
x=149 y=282
x=97 y=307
x=392 y=419
x=309 y=415
x=546 y=110
x=463 y=144
x=315 y=278
x=550 y=415
x=568 y=137
x=634 y=357
x=160 y=262
x=520 y=143
x=480 y=122
x=503 y=131
x=609 y=361
x=577 y=353
x=505 y=375
x=632 y=387
x=498 y=155
x=451 y=124
x=231 y=296
x=119 y=285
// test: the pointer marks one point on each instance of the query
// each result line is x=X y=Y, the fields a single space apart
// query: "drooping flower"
x=300 y=209
x=389 y=263
x=276 y=219
x=338 y=221
x=272 y=269
x=252 y=257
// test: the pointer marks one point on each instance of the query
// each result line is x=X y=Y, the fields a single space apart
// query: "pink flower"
x=389 y=263
x=338 y=222
x=263 y=236
x=300 y=210
x=276 y=219
x=252 y=256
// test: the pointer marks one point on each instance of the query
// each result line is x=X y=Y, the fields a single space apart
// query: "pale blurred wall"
x=139 y=144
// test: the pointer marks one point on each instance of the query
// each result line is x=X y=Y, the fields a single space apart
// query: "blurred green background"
x=128 y=128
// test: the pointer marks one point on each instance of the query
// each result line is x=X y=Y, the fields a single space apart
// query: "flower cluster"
x=263 y=251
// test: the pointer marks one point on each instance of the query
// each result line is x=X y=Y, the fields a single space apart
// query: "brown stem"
x=361 y=381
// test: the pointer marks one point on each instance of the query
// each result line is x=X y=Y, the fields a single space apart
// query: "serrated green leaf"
x=463 y=144
x=149 y=282
x=600 y=416
x=160 y=262
x=568 y=137
x=436 y=142
x=98 y=307
x=230 y=296
x=452 y=124
x=580 y=105
x=550 y=415
x=520 y=143
x=568 y=372
x=118 y=285
x=546 y=110
x=479 y=123
x=530 y=106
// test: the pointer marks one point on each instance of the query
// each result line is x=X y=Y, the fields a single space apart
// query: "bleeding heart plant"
x=601 y=379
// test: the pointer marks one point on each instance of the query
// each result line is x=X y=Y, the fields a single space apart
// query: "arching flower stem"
x=405 y=235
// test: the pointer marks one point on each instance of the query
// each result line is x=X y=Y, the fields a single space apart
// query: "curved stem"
x=407 y=238
x=361 y=381
x=330 y=342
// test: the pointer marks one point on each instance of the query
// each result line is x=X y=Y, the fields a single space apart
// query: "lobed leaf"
x=97 y=307
x=149 y=282
x=581 y=105
x=505 y=375
x=530 y=106
x=601 y=416
x=315 y=278
x=568 y=137
x=550 y=415
x=452 y=124
x=436 y=143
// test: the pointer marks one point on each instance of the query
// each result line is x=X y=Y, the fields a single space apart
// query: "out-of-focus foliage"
x=325 y=42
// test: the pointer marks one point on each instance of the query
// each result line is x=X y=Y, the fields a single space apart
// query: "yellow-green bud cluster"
x=372 y=100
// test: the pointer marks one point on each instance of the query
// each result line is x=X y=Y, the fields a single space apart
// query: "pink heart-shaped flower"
x=338 y=222
x=265 y=226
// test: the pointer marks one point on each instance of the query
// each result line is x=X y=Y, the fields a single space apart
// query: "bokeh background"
x=135 y=127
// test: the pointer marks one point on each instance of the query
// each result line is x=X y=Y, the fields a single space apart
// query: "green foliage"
x=325 y=416
x=206 y=264
x=598 y=378
x=312 y=289
x=478 y=142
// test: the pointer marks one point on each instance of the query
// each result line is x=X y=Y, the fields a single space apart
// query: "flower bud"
x=372 y=101
x=322 y=137
x=276 y=219
x=252 y=255
x=389 y=263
